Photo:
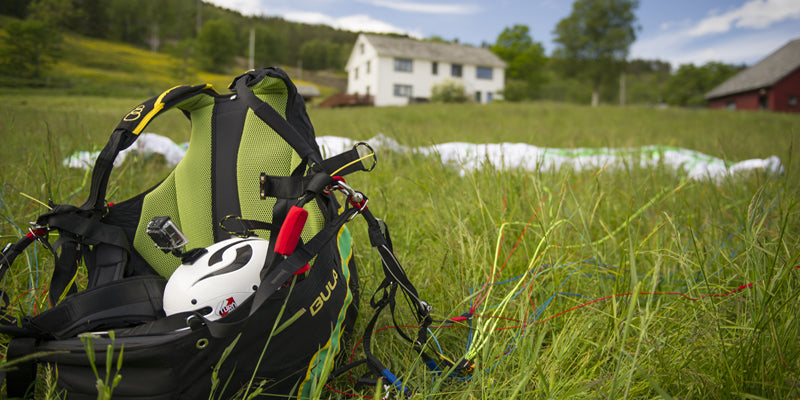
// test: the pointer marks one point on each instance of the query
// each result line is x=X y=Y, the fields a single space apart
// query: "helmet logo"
x=226 y=306
x=243 y=256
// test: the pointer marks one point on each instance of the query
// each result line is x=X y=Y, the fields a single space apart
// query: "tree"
x=29 y=48
x=58 y=14
x=270 y=49
x=216 y=45
x=593 y=41
x=14 y=8
x=690 y=83
x=525 y=59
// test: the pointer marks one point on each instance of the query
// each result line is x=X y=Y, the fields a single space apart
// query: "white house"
x=398 y=70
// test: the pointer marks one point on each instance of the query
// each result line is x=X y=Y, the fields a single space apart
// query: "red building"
x=771 y=84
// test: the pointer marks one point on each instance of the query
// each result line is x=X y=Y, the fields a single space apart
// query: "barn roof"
x=764 y=74
x=446 y=52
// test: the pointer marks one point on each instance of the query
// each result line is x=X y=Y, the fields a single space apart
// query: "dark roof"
x=447 y=52
x=764 y=74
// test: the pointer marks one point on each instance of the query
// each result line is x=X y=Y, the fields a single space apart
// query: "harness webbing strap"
x=380 y=239
x=102 y=171
x=274 y=119
x=345 y=163
x=227 y=128
x=66 y=266
x=243 y=227
x=83 y=224
x=135 y=300
x=11 y=251
x=284 y=270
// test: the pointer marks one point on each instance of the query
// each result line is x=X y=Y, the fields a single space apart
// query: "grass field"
x=619 y=282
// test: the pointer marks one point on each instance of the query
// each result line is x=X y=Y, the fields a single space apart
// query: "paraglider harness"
x=252 y=168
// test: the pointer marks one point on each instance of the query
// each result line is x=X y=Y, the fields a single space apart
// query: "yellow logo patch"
x=135 y=114
x=325 y=294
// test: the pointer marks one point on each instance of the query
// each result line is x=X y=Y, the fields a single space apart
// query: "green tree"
x=126 y=21
x=14 y=8
x=314 y=54
x=216 y=45
x=525 y=59
x=593 y=41
x=270 y=49
x=58 y=14
x=321 y=54
x=29 y=48
x=688 y=86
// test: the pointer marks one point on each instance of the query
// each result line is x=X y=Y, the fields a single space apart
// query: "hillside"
x=90 y=66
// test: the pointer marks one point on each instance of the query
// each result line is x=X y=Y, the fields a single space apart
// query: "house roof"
x=446 y=52
x=764 y=74
x=307 y=91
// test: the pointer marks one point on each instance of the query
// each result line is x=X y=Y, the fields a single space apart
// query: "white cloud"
x=426 y=8
x=246 y=7
x=682 y=48
x=736 y=35
x=354 y=23
x=755 y=14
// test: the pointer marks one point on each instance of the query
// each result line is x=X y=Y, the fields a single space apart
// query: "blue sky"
x=678 y=31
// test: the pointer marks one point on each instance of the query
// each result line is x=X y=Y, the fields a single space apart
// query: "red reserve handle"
x=290 y=232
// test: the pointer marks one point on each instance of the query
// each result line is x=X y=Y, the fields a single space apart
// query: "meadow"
x=619 y=282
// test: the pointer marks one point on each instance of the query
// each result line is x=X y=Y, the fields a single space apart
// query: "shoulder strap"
x=128 y=130
x=304 y=148
x=82 y=225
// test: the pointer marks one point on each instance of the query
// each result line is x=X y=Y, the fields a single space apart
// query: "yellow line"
x=352 y=162
x=157 y=107
x=36 y=200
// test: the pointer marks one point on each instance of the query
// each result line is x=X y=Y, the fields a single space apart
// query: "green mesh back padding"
x=159 y=202
x=186 y=194
x=263 y=150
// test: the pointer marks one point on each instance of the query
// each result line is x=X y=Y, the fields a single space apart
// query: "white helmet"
x=219 y=280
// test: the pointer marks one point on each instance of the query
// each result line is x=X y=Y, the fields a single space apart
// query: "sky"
x=677 y=31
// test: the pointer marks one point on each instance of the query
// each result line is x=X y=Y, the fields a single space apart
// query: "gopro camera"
x=166 y=234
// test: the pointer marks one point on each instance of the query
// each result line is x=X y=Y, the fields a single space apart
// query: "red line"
x=527 y=324
x=345 y=393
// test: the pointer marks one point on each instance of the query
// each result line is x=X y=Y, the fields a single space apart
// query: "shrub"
x=449 y=92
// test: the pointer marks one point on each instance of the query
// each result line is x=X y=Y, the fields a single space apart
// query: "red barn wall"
x=785 y=88
x=777 y=96
x=743 y=101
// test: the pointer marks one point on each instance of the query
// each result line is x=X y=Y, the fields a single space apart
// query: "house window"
x=731 y=105
x=361 y=47
x=456 y=70
x=478 y=97
x=489 y=97
x=792 y=100
x=355 y=73
x=435 y=68
x=403 y=65
x=368 y=64
x=484 y=73
x=402 y=90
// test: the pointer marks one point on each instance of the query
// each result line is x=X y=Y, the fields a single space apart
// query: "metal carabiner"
x=356 y=198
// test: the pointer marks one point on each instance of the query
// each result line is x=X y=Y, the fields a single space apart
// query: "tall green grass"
x=620 y=282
